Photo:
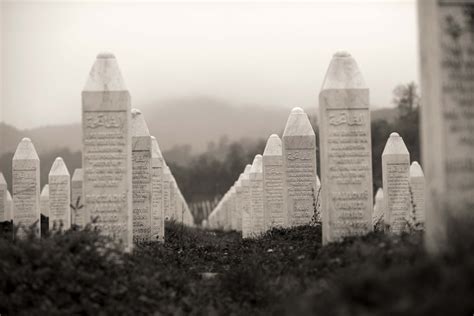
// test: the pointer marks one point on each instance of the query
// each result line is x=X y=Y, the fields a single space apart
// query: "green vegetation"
x=196 y=272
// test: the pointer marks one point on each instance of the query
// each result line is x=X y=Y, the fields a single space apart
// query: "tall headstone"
x=273 y=184
x=141 y=178
x=107 y=151
x=395 y=176
x=173 y=194
x=379 y=210
x=447 y=81
x=245 y=204
x=346 y=152
x=238 y=203
x=59 y=196
x=77 y=203
x=44 y=201
x=256 y=196
x=167 y=177
x=299 y=160
x=26 y=188
x=3 y=198
x=9 y=207
x=417 y=192
x=157 y=207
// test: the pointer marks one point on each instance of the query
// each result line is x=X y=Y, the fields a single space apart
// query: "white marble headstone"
x=395 y=175
x=26 y=188
x=256 y=196
x=59 y=196
x=417 y=187
x=3 y=198
x=346 y=153
x=107 y=151
x=447 y=120
x=157 y=207
x=299 y=160
x=245 y=204
x=276 y=214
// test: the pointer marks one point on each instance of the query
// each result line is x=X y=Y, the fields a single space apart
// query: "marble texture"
x=59 y=196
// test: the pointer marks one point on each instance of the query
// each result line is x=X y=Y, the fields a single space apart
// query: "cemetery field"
x=199 y=272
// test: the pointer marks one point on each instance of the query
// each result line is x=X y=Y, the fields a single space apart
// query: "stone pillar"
x=346 y=152
x=256 y=196
x=59 y=196
x=395 y=174
x=44 y=209
x=299 y=160
x=246 y=205
x=3 y=198
x=9 y=207
x=26 y=188
x=77 y=206
x=141 y=175
x=447 y=81
x=157 y=208
x=417 y=191
x=379 y=210
x=107 y=151
x=273 y=184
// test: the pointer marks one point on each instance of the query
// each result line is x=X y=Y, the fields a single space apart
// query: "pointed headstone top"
x=273 y=146
x=77 y=175
x=379 y=194
x=59 y=168
x=45 y=191
x=415 y=170
x=105 y=75
x=298 y=124
x=247 y=169
x=257 y=164
x=139 y=126
x=155 y=148
x=343 y=73
x=25 y=150
x=395 y=146
x=2 y=179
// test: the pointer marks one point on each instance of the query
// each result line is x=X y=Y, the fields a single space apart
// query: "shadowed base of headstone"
x=6 y=229
x=44 y=224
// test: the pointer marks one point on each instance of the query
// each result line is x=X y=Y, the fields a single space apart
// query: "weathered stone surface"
x=44 y=201
x=395 y=175
x=166 y=192
x=447 y=82
x=379 y=209
x=3 y=198
x=107 y=151
x=77 y=203
x=299 y=160
x=276 y=214
x=157 y=207
x=26 y=188
x=245 y=204
x=173 y=196
x=141 y=175
x=256 y=196
x=417 y=190
x=59 y=196
x=346 y=154
x=238 y=203
x=9 y=207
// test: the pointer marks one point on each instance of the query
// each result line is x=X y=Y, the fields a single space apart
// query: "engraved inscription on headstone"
x=346 y=156
x=299 y=159
x=157 y=210
x=106 y=154
x=447 y=82
x=395 y=175
x=59 y=196
x=26 y=188
x=276 y=214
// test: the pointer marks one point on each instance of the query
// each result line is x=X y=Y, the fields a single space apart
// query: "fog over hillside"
x=194 y=121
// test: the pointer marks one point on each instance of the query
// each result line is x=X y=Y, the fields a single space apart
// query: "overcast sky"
x=263 y=53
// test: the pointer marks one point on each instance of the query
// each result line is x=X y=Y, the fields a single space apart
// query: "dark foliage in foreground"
x=215 y=273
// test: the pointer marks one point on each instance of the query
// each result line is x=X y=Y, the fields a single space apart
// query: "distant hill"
x=175 y=122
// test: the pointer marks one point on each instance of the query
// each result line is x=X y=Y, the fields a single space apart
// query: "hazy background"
x=262 y=53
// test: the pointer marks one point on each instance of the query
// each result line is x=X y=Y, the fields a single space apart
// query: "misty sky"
x=261 y=53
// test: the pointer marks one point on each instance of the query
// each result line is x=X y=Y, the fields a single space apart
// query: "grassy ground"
x=285 y=272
